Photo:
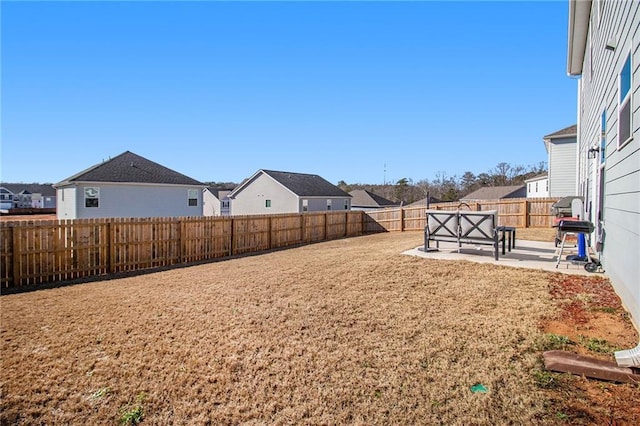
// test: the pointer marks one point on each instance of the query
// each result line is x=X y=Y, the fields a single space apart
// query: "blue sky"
x=218 y=90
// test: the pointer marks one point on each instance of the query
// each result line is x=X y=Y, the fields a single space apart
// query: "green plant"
x=99 y=393
x=133 y=413
x=551 y=341
x=545 y=379
x=562 y=416
x=599 y=345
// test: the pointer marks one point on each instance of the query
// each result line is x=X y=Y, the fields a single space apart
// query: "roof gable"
x=496 y=193
x=364 y=198
x=563 y=133
x=301 y=184
x=131 y=168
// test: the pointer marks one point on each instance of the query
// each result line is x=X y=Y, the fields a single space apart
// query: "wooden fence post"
x=269 y=226
x=525 y=213
x=111 y=247
x=231 y=238
x=15 y=237
x=401 y=219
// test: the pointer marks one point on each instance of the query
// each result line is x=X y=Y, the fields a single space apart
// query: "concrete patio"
x=526 y=254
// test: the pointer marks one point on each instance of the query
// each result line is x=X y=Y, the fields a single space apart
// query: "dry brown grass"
x=347 y=331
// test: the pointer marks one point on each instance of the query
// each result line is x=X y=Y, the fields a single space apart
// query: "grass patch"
x=599 y=345
x=551 y=341
x=133 y=414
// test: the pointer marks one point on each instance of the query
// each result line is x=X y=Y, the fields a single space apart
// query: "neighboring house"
x=538 y=186
x=367 y=200
x=423 y=202
x=604 y=50
x=27 y=195
x=496 y=193
x=270 y=192
x=129 y=186
x=216 y=202
x=561 y=150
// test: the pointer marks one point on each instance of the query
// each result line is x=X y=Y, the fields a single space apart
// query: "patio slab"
x=527 y=254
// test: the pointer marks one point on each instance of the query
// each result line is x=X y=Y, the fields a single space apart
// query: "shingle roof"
x=364 y=198
x=497 y=193
x=537 y=177
x=306 y=185
x=423 y=202
x=131 y=168
x=301 y=184
x=46 y=189
x=567 y=131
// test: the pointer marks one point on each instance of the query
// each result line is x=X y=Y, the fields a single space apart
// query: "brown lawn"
x=346 y=331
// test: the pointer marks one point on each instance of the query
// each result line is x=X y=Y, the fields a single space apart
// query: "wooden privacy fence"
x=37 y=252
x=516 y=212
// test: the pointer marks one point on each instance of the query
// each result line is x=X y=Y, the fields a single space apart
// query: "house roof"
x=131 y=168
x=301 y=184
x=219 y=193
x=364 y=198
x=496 y=193
x=46 y=189
x=563 y=133
x=423 y=202
x=537 y=177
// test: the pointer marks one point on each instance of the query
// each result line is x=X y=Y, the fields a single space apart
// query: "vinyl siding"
x=130 y=200
x=598 y=92
x=562 y=167
x=251 y=199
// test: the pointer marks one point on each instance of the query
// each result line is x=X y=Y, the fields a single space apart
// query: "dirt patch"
x=345 y=331
x=591 y=321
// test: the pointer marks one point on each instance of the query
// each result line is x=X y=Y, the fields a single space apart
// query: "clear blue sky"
x=218 y=90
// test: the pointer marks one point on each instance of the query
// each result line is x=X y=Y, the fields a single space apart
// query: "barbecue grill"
x=573 y=226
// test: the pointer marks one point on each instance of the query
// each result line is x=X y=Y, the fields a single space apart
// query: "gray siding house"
x=561 y=150
x=128 y=186
x=27 y=195
x=271 y=192
x=604 y=50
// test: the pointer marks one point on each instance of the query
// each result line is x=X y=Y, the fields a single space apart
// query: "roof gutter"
x=579 y=12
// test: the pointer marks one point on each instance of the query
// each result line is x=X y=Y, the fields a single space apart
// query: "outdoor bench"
x=462 y=227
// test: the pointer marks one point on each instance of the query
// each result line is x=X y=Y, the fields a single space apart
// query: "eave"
x=579 y=12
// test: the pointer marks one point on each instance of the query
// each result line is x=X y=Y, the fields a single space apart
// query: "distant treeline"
x=443 y=187
x=449 y=188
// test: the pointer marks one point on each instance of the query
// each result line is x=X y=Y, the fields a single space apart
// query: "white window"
x=328 y=204
x=92 y=197
x=305 y=205
x=624 y=106
x=346 y=204
x=193 y=197
x=267 y=203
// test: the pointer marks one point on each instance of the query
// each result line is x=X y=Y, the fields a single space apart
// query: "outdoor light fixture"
x=611 y=44
x=593 y=152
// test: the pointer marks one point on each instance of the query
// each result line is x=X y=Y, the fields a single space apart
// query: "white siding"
x=598 y=92
x=252 y=198
x=562 y=167
x=66 y=208
x=211 y=204
x=538 y=188
x=130 y=200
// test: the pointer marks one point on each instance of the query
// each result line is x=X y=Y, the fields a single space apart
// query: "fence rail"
x=517 y=212
x=45 y=251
